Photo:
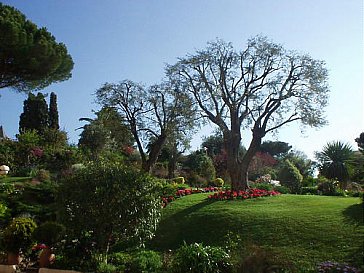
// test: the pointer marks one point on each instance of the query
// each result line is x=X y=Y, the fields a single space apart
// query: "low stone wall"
x=7 y=268
x=48 y=270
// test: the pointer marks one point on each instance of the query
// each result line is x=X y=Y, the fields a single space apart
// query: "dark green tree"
x=334 y=160
x=360 y=141
x=172 y=152
x=35 y=114
x=262 y=87
x=53 y=112
x=30 y=57
x=275 y=148
x=107 y=132
x=356 y=167
x=302 y=162
x=290 y=177
x=200 y=167
x=213 y=144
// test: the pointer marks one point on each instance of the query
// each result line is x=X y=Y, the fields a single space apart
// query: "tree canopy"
x=152 y=113
x=275 y=148
x=30 y=57
x=262 y=87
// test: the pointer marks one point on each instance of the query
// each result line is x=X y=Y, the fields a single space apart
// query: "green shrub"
x=122 y=260
x=6 y=187
x=182 y=186
x=43 y=175
x=110 y=200
x=48 y=233
x=166 y=189
x=107 y=268
x=218 y=182
x=146 y=261
x=263 y=186
x=309 y=190
x=196 y=180
x=197 y=258
x=179 y=180
x=290 y=177
x=327 y=187
x=201 y=168
x=282 y=189
x=4 y=213
x=17 y=235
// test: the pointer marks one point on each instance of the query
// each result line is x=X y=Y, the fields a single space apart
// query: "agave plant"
x=334 y=160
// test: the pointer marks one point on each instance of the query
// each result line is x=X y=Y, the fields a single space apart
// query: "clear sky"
x=112 y=40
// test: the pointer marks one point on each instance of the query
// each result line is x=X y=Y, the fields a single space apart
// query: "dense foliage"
x=290 y=177
x=123 y=204
x=197 y=258
x=30 y=57
x=18 y=235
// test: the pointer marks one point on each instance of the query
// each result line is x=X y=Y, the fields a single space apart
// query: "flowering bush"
x=187 y=191
x=251 y=193
x=333 y=267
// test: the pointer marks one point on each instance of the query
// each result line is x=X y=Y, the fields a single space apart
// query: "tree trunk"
x=171 y=167
x=250 y=153
x=155 y=149
x=232 y=144
x=238 y=169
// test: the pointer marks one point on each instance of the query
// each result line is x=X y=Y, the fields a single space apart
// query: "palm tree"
x=334 y=160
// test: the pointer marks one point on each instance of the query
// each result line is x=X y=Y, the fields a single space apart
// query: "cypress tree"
x=35 y=114
x=53 y=112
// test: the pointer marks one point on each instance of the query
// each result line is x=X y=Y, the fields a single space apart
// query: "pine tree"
x=35 y=114
x=53 y=112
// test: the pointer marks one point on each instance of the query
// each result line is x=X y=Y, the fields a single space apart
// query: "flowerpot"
x=14 y=258
x=46 y=257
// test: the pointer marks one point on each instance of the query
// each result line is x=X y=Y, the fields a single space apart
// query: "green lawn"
x=301 y=229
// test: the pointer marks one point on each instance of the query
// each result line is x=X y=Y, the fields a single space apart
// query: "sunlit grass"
x=304 y=230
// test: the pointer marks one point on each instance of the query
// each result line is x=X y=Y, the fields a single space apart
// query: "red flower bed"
x=183 y=192
x=251 y=193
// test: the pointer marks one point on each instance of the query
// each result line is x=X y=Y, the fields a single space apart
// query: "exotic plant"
x=334 y=161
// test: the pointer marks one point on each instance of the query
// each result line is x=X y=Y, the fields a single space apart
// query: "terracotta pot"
x=14 y=258
x=46 y=257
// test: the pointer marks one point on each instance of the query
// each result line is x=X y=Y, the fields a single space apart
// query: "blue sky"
x=112 y=40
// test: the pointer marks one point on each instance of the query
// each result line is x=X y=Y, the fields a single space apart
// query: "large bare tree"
x=152 y=113
x=262 y=87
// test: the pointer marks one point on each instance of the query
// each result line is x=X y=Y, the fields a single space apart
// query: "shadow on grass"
x=173 y=230
x=354 y=214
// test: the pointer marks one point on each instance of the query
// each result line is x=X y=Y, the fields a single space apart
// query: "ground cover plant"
x=298 y=231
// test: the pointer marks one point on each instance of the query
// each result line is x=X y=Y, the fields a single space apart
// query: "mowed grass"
x=301 y=229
